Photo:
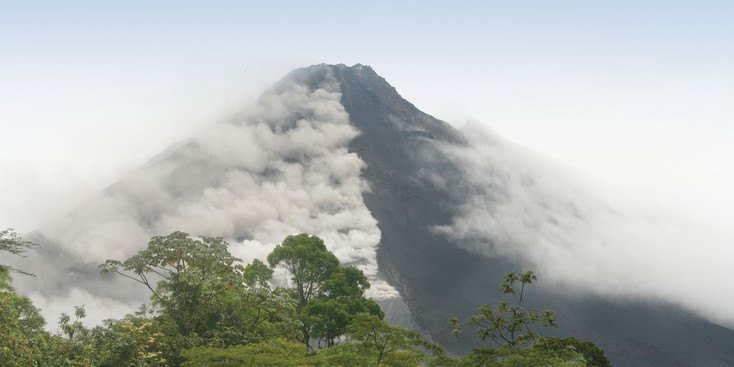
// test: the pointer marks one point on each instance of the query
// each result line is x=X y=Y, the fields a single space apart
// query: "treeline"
x=210 y=309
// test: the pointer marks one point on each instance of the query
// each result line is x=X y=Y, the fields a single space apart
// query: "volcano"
x=335 y=151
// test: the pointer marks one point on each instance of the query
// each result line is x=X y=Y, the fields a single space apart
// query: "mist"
x=279 y=167
x=583 y=236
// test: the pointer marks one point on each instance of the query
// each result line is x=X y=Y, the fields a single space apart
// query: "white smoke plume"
x=281 y=168
x=582 y=236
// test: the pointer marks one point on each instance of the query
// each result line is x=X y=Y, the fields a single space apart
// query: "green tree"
x=593 y=355
x=202 y=295
x=373 y=342
x=11 y=242
x=257 y=275
x=522 y=357
x=274 y=352
x=23 y=342
x=74 y=330
x=194 y=275
x=328 y=319
x=309 y=263
x=255 y=315
x=511 y=326
x=74 y=345
x=330 y=314
x=328 y=294
x=132 y=342
x=507 y=324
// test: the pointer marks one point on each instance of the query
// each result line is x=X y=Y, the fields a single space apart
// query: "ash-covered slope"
x=416 y=187
x=335 y=151
x=281 y=167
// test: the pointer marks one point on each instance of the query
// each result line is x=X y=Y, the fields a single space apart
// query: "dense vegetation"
x=210 y=309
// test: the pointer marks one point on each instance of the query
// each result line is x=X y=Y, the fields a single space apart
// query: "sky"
x=634 y=95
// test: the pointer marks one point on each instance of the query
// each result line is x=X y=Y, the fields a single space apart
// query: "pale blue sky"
x=637 y=94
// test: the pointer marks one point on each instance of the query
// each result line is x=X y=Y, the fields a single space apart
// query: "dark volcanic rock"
x=414 y=188
x=439 y=280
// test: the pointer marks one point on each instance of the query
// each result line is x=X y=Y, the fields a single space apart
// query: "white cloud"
x=98 y=308
x=575 y=233
x=281 y=168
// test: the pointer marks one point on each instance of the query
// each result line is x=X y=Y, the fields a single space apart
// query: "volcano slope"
x=415 y=188
x=335 y=151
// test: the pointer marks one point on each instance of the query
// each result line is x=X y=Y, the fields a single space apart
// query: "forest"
x=208 y=308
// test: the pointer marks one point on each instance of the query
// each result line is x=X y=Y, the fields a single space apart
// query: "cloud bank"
x=581 y=236
x=280 y=168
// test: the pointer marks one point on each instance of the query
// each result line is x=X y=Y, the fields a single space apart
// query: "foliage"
x=210 y=310
x=23 y=341
x=257 y=275
x=527 y=357
x=206 y=297
x=511 y=327
x=592 y=354
x=309 y=263
x=147 y=346
x=11 y=242
x=506 y=324
x=330 y=318
x=378 y=343
x=253 y=316
x=195 y=275
x=74 y=330
x=329 y=295
x=275 y=352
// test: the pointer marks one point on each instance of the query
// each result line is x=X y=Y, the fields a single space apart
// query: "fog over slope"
x=280 y=168
x=584 y=236
x=283 y=166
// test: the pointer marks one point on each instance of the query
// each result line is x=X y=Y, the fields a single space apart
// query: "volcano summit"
x=433 y=216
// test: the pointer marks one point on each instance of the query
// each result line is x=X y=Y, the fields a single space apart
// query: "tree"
x=257 y=275
x=11 y=242
x=330 y=314
x=74 y=330
x=328 y=295
x=74 y=345
x=23 y=342
x=309 y=263
x=511 y=327
x=327 y=319
x=373 y=342
x=516 y=357
x=255 y=315
x=129 y=342
x=275 y=352
x=508 y=325
x=194 y=276
x=593 y=355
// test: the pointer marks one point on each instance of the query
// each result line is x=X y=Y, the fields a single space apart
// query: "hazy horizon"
x=633 y=97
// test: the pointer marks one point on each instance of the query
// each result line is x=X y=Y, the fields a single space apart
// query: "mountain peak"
x=371 y=100
x=352 y=161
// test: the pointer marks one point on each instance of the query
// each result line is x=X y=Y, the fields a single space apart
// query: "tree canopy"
x=194 y=275
x=329 y=295
x=11 y=242
x=209 y=309
x=512 y=329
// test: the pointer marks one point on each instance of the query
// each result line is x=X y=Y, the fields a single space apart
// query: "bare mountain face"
x=433 y=216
